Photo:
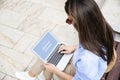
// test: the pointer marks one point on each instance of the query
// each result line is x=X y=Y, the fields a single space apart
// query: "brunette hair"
x=95 y=34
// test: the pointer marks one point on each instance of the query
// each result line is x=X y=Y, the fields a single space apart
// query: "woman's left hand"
x=50 y=67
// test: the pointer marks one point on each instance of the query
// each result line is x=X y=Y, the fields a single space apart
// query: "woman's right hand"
x=67 y=49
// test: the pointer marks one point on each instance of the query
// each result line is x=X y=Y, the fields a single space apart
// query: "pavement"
x=23 y=22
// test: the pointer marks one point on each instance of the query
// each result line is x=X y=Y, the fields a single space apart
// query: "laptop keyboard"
x=55 y=57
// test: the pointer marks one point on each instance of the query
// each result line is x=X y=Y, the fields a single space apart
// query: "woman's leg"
x=70 y=68
x=37 y=68
x=48 y=75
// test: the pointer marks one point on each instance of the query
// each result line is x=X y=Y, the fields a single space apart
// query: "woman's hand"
x=50 y=67
x=67 y=49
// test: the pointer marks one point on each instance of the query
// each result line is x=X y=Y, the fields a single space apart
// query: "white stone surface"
x=117 y=37
x=36 y=26
x=100 y=3
x=65 y=34
x=12 y=61
x=111 y=11
x=2 y=75
x=10 y=18
x=53 y=15
x=9 y=36
x=9 y=78
x=28 y=50
x=24 y=43
x=23 y=7
x=57 y=4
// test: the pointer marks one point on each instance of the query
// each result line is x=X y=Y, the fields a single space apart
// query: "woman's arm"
x=60 y=74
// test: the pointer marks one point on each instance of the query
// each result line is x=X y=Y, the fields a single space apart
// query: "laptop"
x=47 y=50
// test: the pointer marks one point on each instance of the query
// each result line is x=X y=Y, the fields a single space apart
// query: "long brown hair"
x=95 y=34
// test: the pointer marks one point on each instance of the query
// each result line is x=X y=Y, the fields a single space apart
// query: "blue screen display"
x=45 y=45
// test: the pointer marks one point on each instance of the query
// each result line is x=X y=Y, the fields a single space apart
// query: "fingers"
x=65 y=49
x=62 y=48
x=63 y=52
x=47 y=65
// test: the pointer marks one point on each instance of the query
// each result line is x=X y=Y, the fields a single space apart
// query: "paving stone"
x=2 y=3
x=65 y=34
x=12 y=61
x=29 y=51
x=53 y=15
x=9 y=36
x=58 y=4
x=117 y=37
x=111 y=11
x=36 y=27
x=24 y=43
x=10 y=18
x=35 y=1
x=9 y=78
x=2 y=75
x=100 y=3
x=23 y=7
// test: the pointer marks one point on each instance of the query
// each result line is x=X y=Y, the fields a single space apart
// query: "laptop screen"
x=45 y=45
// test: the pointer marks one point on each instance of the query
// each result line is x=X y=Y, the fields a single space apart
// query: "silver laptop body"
x=47 y=50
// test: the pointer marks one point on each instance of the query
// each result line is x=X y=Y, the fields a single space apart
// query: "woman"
x=95 y=49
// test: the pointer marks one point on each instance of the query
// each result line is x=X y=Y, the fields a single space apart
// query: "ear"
x=68 y=21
